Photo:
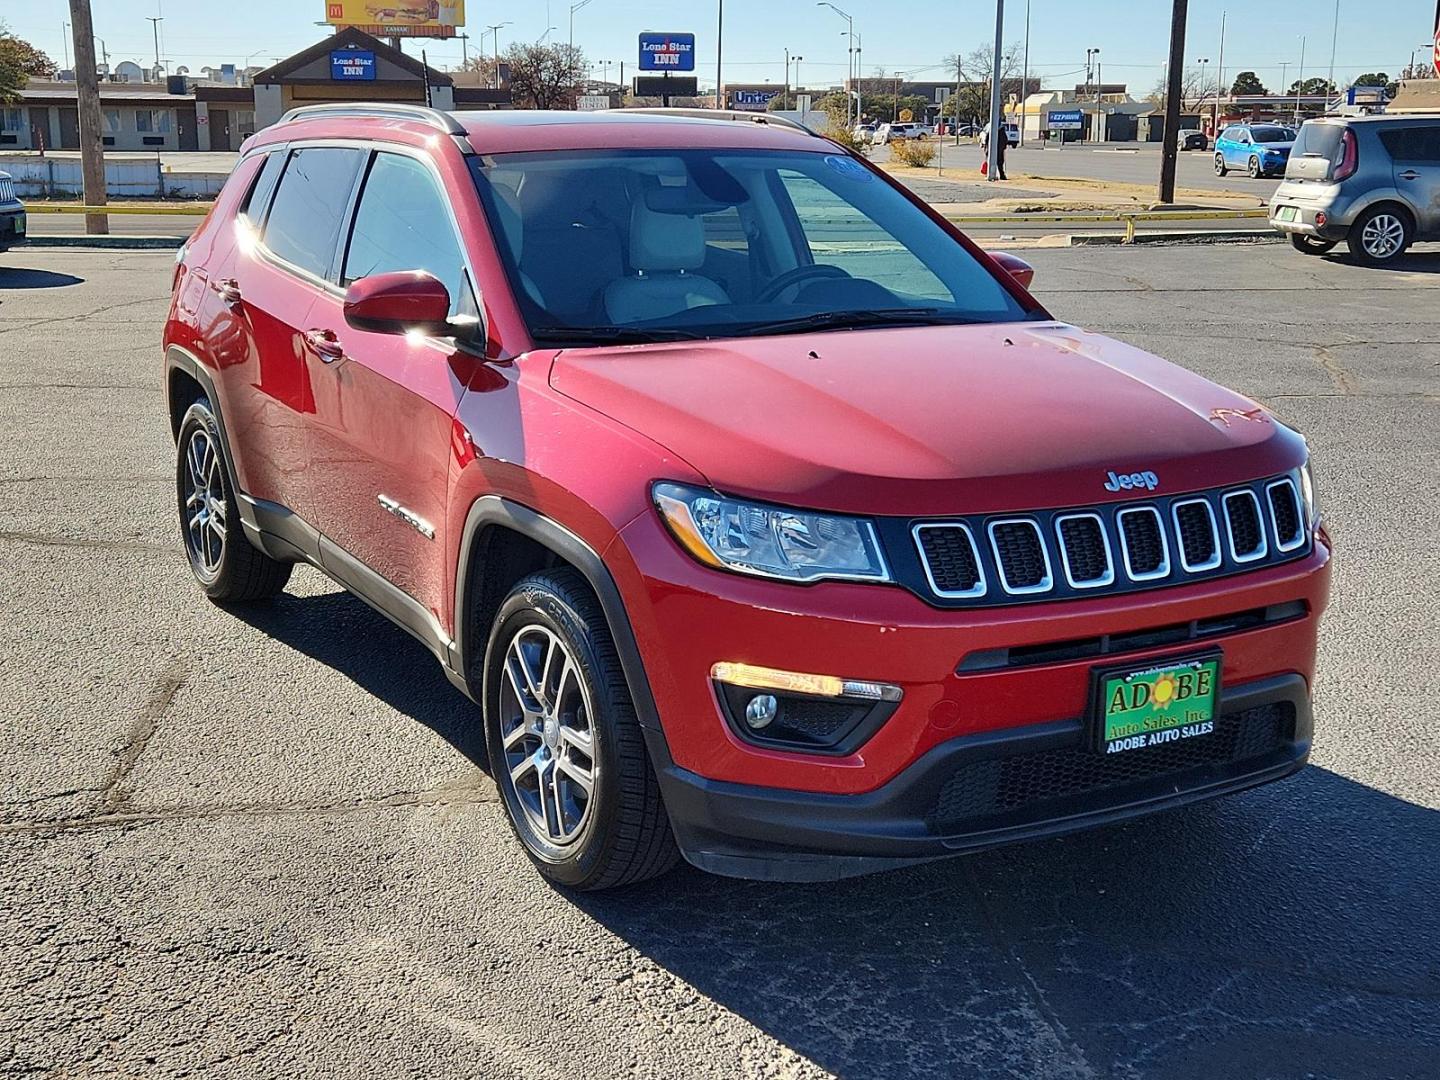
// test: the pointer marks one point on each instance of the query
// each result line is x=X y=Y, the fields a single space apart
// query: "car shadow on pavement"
x=12 y=277
x=1289 y=931
x=1412 y=262
x=338 y=630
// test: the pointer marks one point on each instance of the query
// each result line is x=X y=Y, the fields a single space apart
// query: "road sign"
x=1065 y=120
x=593 y=102
x=349 y=65
x=667 y=52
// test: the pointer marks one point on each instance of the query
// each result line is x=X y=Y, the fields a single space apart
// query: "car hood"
x=1285 y=146
x=930 y=420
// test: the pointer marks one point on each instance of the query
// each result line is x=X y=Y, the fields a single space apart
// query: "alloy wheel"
x=205 y=521
x=1383 y=236
x=548 y=736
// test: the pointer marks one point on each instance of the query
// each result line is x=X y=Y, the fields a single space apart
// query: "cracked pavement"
x=258 y=843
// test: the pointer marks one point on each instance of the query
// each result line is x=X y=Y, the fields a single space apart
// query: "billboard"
x=398 y=18
x=667 y=52
x=659 y=86
x=349 y=65
x=752 y=97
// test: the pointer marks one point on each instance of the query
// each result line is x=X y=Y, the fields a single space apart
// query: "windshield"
x=1271 y=135
x=659 y=244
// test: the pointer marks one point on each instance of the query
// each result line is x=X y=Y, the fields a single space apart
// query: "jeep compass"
x=768 y=521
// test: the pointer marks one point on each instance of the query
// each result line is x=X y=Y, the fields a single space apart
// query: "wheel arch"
x=183 y=373
x=528 y=537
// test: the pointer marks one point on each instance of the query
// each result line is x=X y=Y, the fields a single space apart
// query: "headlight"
x=1307 y=496
x=770 y=541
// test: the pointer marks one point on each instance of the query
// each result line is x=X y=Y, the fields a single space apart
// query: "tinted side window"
x=304 y=221
x=1412 y=143
x=403 y=223
x=258 y=197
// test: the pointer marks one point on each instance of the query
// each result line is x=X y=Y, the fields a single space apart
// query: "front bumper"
x=982 y=791
x=13 y=225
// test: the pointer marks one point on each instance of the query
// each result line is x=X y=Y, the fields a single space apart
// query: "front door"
x=1415 y=156
x=185 y=128
x=220 y=129
x=380 y=460
x=69 y=129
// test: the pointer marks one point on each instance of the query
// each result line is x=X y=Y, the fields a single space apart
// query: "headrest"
x=665 y=241
x=507 y=205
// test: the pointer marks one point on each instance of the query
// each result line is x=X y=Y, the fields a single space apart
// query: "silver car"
x=12 y=214
x=1371 y=182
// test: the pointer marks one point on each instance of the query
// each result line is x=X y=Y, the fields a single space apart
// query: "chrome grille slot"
x=1285 y=514
x=951 y=560
x=7 y=190
x=1244 y=526
x=1021 y=555
x=1197 y=538
x=1143 y=544
x=1084 y=550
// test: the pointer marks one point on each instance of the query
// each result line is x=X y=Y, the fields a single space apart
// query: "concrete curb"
x=112 y=243
x=1175 y=236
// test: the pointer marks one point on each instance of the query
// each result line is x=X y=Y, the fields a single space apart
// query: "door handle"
x=228 y=289
x=324 y=344
x=1409 y=174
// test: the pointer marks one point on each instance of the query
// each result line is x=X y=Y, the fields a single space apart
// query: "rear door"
x=282 y=271
x=1415 y=160
x=381 y=435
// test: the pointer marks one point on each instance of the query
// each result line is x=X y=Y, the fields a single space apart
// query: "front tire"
x=1310 y=245
x=1380 y=236
x=228 y=567
x=565 y=744
x=1255 y=171
x=1220 y=169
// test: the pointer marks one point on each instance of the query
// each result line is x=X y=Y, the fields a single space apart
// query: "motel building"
x=141 y=111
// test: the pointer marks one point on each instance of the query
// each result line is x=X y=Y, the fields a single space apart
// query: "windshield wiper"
x=611 y=335
x=836 y=320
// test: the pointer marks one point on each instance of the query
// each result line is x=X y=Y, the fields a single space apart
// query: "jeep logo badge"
x=1129 y=481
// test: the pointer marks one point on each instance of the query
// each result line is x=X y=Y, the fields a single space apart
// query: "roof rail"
x=725 y=114
x=435 y=118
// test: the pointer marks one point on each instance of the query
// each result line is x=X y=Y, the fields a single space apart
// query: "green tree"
x=1247 y=82
x=19 y=62
x=1312 y=87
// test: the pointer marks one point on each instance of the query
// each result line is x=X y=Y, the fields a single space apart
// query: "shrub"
x=846 y=138
x=916 y=153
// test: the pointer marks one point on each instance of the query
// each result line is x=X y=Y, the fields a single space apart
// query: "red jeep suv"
x=770 y=522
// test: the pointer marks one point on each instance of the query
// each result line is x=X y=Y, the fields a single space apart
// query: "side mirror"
x=398 y=302
x=1015 y=266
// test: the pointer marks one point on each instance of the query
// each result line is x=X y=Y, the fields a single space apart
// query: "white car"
x=886 y=132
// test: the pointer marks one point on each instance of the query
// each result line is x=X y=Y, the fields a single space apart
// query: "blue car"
x=1258 y=149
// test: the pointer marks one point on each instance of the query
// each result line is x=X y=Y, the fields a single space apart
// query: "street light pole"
x=495 y=43
x=1024 y=76
x=1334 y=37
x=997 y=130
x=573 y=9
x=850 y=32
x=1220 y=74
x=155 y=21
x=1300 y=79
x=720 y=54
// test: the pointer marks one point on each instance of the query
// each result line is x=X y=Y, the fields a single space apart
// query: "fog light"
x=761 y=711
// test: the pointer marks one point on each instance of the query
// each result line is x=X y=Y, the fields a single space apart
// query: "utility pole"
x=719 y=54
x=1220 y=75
x=87 y=92
x=1174 y=77
x=1300 y=79
x=1025 y=76
x=155 y=21
x=1334 y=37
x=997 y=129
x=65 y=44
x=464 y=51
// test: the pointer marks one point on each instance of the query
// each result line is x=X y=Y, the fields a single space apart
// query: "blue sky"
x=1131 y=34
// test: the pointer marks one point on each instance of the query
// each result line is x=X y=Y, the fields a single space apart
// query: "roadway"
x=260 y=841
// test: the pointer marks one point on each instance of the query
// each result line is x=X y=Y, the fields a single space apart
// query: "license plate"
x=1140 y=708
x=1288 y=213
x=20 y=226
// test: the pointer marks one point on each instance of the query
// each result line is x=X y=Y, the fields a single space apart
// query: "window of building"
x=12 y=120
x=111 y=118
x=304 y=220
x=152 y=121
x=243 y=122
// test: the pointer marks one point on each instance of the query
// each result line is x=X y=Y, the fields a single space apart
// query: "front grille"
x=1244 y=526
x=1021 y=784
x=951 y=559
x=7 y=190
x=1020 y=553
x=1161 y=541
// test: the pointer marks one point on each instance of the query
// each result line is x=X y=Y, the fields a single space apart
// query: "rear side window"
x=303 y=225
x=403 y=223
x=258 y=197
x=1413 y=143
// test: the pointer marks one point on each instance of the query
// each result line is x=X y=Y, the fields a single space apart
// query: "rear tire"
x=1311 y=245
x=1380 y=235
x=565 y=745
x=1220 y=169
x=224 y=561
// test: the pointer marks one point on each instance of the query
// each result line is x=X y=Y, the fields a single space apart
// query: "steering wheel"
x=794 y=277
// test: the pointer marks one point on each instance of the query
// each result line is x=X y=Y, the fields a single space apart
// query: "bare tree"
x=545 y=76
x=1195 y=87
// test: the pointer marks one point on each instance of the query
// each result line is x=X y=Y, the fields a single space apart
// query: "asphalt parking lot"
x=258 y=841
